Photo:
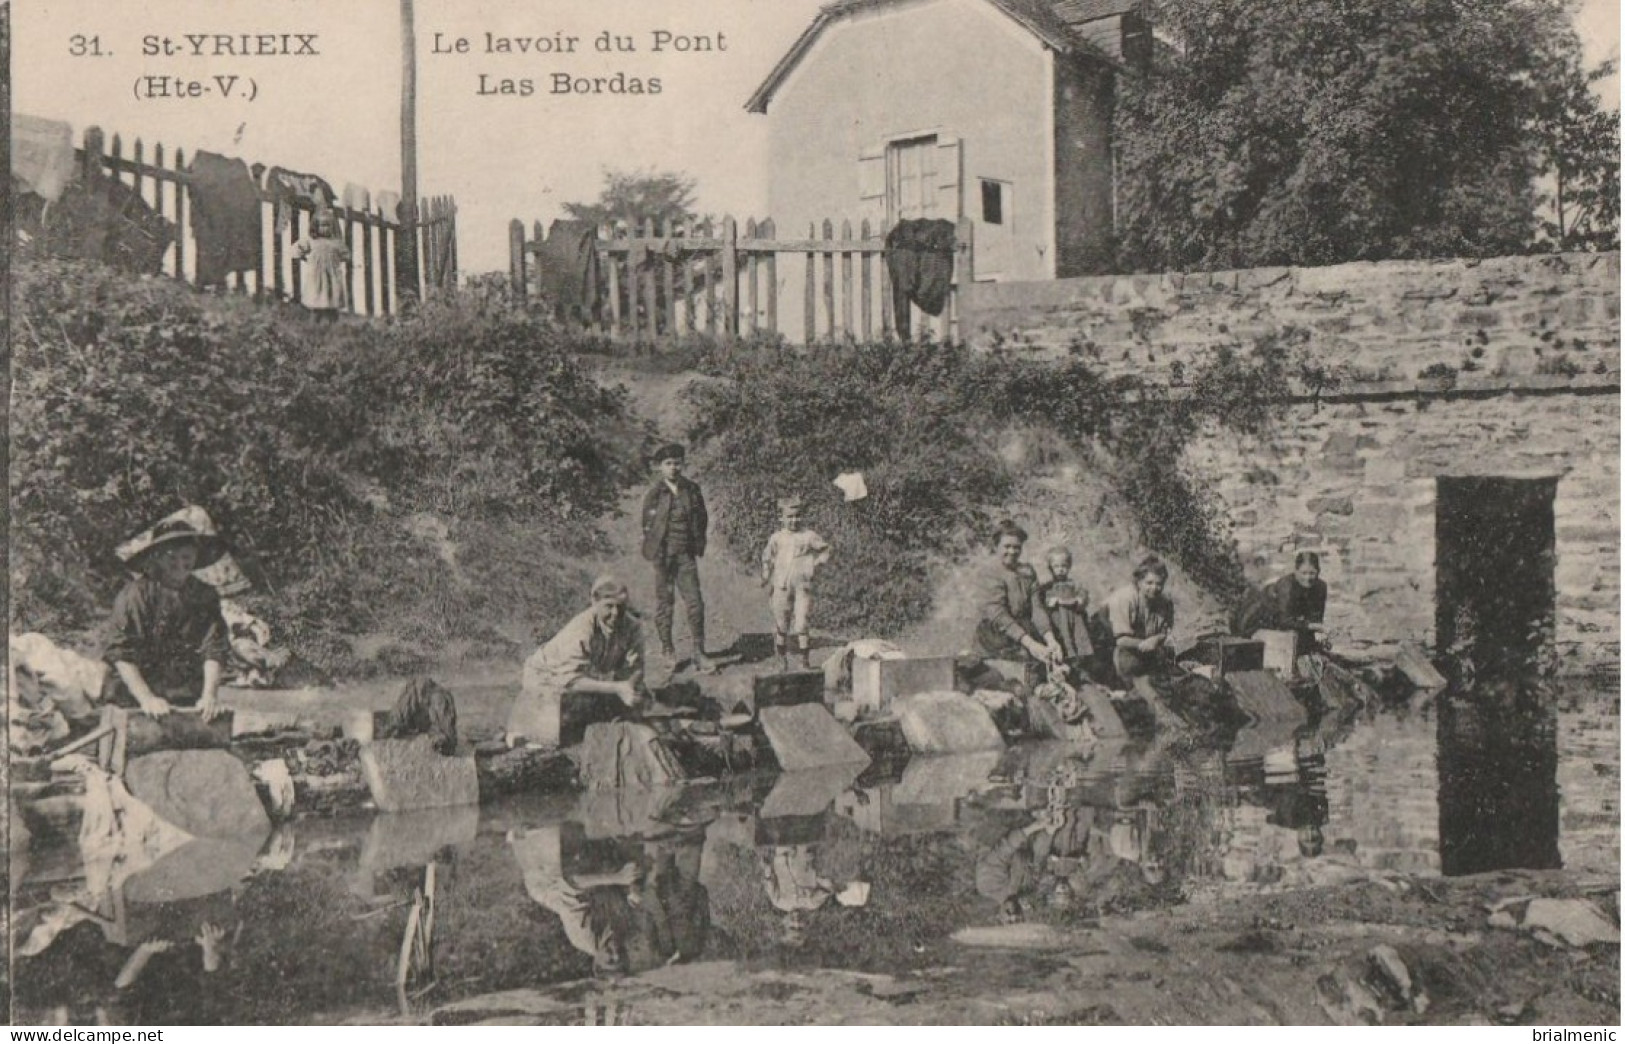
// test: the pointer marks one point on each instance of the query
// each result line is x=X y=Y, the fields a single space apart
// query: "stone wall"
x=1506 y=367
x=1356 y=482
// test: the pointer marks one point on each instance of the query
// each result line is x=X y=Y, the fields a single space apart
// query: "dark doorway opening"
x=1496 y=555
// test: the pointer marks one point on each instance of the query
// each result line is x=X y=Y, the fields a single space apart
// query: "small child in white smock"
x=791 y=557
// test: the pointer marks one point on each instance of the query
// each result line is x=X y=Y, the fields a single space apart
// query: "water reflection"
x=1498 y=798
x=864 y=872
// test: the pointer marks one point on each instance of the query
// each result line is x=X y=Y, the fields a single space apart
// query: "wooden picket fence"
x=375 y=268
x=666 y=282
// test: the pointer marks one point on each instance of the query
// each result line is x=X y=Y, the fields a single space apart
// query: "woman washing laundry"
x=169 y=640
x=1294 y=602
x=1141 y=621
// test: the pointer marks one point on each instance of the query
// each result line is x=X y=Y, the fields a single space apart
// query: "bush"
x=919 y=421
x=781 y=421
x=309 y=445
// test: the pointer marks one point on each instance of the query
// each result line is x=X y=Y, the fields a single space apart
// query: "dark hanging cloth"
x=106 y=221
x=291 y=189
x=571 y=273
x=424 y=708
x=225 y=217
x=920 y=262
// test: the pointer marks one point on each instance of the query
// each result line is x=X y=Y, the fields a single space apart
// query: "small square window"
x=992 y=202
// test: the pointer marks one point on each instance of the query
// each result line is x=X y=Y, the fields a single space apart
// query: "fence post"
x=690 y=305
x=516 y=257
x=612 y=267
x=92 y=159
x=408 y=260
x=730 y=279
x=847 y=329
x=810 y=314
x=865 y=263
x=829 y=277
x=139 y=168
x=385 y=248
x=964 y=271
x=451 y=240
x=767 y=231
x=181 y=211
x=668 y=270
x=750 y=279
x=649 y=282
x=431 y=252
x=367 y=262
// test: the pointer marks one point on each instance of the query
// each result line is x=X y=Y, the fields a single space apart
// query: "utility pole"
x=406 y=246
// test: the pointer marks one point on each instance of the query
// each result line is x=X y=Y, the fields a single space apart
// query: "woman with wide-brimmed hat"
x=169 y=640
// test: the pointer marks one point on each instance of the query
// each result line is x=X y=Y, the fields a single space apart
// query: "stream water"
x=869 y=871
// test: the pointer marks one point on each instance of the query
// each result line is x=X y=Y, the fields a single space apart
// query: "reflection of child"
x=324 y=287
x=789 y=560
x=793 y=883
x=796 y=888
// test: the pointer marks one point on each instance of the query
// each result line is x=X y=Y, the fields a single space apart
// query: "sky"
x=502 y=155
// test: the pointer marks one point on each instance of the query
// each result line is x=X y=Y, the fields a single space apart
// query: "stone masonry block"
x=807 y=736
x=207 y=793
x=407 y=774
x=946 y=723
x=876 y=683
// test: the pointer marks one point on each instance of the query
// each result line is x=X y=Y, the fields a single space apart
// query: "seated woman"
x=1296 y=602
x=1141 y=619
x=592 y=670
x=1012 y=621
x=169 y=640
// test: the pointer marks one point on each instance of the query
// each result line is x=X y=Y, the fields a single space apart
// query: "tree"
x=1326 y=131
x=633 y=198
x=1579 y=148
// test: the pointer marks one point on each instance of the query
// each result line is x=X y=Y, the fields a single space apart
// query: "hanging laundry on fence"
x=920 y=262
x=107 y=222
x=356 y=198
x=42 y=155
x=290 y=189
x=571 y=276
x=389 y=205
x=225 y=217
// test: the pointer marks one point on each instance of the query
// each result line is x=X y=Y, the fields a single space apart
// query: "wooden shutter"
x=950 y=198
x=872 y=182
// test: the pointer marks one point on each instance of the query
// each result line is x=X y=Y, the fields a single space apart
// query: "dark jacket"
x=168 y=634
x=1282 y=605
x=657 y=505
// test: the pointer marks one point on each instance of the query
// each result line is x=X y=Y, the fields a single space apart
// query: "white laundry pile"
x=838 y=667
x=851 y=485
x=49 y=687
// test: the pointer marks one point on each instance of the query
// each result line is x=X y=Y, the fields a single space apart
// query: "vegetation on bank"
x=921 y=422
x=331 y=455
x=437 y=478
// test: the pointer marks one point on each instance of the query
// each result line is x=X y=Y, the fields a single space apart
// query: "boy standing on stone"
x=674 y=529
x=789 y=560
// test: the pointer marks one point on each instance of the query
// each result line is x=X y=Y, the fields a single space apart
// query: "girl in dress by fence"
x=325 y=285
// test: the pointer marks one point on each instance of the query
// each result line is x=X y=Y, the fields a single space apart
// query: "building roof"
x=1042 y=18
x=1076 y=12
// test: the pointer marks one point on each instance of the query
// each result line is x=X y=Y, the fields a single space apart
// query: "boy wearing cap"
x=674 y=528
x=596 y=658
x=168 y=639
x=789 y=560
